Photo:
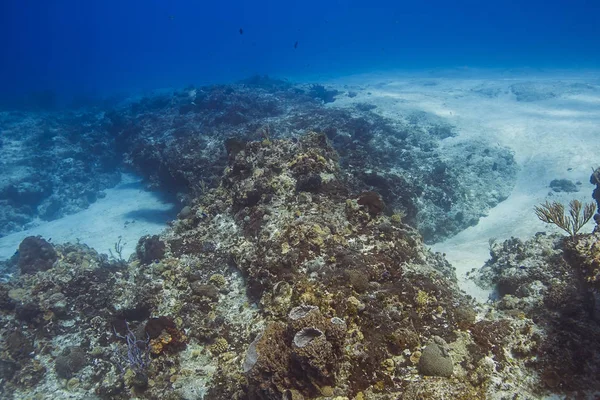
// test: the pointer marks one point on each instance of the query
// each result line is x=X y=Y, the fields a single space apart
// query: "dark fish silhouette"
x=296 y=45
x=241 y=31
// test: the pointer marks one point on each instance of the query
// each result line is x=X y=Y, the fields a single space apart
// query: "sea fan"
x=554 y=213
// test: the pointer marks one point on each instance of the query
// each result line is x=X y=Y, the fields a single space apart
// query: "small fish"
x=296 y=45
x=241 y=31
x=171 y=17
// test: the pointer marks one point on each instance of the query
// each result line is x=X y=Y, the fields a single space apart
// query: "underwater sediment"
x=284 y=282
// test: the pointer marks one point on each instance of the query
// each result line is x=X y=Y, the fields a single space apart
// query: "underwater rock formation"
x=348 y=296
x=59 y=163
x=175 y=142
x=563 y=185
x=53 y=164
x=264 y=288
x=538 y=91
x=547 y=288
x=149 y=249
x=595 y=180
x=264 y=291
x=35 y=254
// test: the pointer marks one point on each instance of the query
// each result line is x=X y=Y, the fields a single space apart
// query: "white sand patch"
x=555 y=136
x=127 y=212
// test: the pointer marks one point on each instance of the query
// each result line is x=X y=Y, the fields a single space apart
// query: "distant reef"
x=180 y=143
x=52 y=164
x=58 y=163
x=283 y=282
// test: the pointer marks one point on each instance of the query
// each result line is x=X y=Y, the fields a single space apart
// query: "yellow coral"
x=308 y=298
x=219 y=346
x=72 y=384
x=389 y=365
x=48 y=315
x=318 y=234
x=415 y=357
x=354 y=305
x=157 y=345
x=327 y=391
x=218 y=280
x=397 y=218
x=422 y=298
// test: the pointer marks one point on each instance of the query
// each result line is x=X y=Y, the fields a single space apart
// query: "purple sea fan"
x=137 y=357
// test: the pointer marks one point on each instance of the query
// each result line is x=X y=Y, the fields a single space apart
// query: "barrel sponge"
x=312 y=350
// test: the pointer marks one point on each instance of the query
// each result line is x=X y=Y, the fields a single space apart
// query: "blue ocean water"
x=76 y=48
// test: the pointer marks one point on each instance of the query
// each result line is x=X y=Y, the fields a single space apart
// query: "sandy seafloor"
x=554 y=133
x=127 y=213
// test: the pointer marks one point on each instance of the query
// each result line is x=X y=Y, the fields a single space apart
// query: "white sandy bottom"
x=554 y=138
x=127 y=213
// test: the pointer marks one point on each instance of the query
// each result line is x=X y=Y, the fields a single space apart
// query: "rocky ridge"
x=278 y=283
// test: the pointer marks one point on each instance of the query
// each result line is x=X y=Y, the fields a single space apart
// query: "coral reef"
x=290 y=279
x=546 y=291
x=262 y=289
x=53 y=164
x=60 y=162
x=175 y=141
x=563 y=185
x=595 y=180
x=297 y=267
x=341 y=286
x=435 y=359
